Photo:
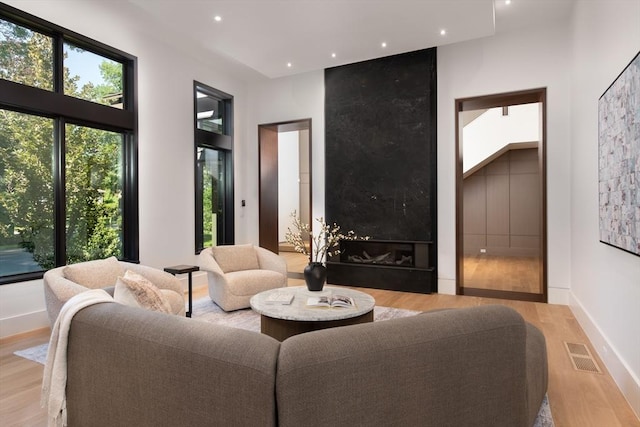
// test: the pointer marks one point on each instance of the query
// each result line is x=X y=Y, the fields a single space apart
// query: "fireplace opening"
x=382 y=252
x=402 y=265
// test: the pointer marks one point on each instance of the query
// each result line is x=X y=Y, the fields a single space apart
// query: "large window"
x=214 y=167
x=68 y=189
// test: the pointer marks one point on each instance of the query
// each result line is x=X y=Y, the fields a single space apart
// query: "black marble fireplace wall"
x=380 y=139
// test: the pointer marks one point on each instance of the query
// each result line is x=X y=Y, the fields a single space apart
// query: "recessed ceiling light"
x=289 y=64
x=443 y=32
x=384 y=44
x=217 y=18
x=333 y=55
x=507 y=2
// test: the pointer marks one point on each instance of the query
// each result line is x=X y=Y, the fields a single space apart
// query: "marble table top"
x=299 y=311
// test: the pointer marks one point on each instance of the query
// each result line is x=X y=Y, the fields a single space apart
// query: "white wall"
x=491 y=132
x=605 y=281
x=166 y=178
x=280 y=100
x=509 y=62
x=288 y=180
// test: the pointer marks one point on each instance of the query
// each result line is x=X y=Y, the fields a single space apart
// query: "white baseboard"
x=558 y=296
x=199 y=278
x=446 y=286
x=23 y=323
x=622 y=375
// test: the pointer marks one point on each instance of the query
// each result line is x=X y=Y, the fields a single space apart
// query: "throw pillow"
x=135 y=290
x=235 y=257
x=98 y=273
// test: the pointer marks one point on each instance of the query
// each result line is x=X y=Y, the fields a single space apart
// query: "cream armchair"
x=238 y=272
x=62 y=283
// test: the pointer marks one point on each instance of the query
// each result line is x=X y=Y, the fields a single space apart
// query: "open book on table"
x=333 y=300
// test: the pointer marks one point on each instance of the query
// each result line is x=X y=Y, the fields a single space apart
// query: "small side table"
x=185 y=269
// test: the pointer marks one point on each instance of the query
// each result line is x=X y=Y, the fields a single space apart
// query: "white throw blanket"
x=54 y=381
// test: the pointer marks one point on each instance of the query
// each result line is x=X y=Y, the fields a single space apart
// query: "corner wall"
x=605 y=291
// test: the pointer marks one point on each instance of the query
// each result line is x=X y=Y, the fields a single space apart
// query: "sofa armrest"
x=141 y=368
x=57 y=291
x=450 y=368
x=271 y=261
x=537 y=370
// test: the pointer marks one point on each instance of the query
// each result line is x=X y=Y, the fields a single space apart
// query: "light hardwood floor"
x=577 y=399
x=516 y=274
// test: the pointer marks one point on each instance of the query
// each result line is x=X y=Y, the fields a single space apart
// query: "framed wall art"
x=619 y=160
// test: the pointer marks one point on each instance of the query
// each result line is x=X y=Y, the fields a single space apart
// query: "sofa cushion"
x=135 y=290
x=99 y=273
x=235 y=257
x=251 y=282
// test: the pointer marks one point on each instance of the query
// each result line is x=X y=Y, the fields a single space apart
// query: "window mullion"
x=58 y=63
x=59 y=183
x=130 y=225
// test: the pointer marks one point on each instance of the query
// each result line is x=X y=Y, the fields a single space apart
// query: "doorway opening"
x=501 y=196
x=285 y=183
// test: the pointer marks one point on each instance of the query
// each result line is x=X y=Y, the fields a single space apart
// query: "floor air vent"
x=581 y=358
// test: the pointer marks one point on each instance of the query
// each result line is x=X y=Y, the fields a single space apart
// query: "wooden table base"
x=282 y=329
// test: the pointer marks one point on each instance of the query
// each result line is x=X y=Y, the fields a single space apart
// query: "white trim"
x=558 y=296
x=446 y=286
x=199 y=278
x=620 y=372
x=23 y=323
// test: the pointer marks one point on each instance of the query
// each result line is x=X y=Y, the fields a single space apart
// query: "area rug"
x=205 y=310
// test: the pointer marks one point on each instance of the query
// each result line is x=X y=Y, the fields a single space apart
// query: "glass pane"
x=94 y=207
x=209 y=112
x=92 y=77
x=212 y=164
x=26 y=193
x=26 y=56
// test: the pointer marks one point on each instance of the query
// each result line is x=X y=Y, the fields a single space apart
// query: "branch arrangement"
x=324 y=242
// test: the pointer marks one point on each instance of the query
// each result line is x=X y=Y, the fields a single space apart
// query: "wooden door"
x=268 y=187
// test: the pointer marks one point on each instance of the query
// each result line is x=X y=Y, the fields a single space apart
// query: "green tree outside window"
x=93 y=166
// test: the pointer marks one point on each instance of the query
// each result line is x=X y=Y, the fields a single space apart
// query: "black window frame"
x=65 y=109
x=221 y=142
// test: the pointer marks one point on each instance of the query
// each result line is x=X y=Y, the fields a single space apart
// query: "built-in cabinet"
x=502 y=206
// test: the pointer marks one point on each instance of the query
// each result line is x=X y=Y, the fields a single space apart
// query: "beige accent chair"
x=62 y=283
x=238 y=272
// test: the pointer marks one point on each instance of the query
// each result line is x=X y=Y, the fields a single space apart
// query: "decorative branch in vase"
x=323 y=244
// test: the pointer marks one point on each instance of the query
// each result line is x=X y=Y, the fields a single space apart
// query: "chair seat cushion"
x=251 y=282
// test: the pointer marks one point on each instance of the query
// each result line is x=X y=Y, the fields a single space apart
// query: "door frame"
x=268 y=178
x=538 y=95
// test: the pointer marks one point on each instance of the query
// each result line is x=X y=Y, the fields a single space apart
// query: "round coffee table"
x=283 y=321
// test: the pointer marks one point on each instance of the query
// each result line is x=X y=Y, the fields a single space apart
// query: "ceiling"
x=267 y=35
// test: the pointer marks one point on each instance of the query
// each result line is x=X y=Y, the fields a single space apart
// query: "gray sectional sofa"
x=481 y=366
